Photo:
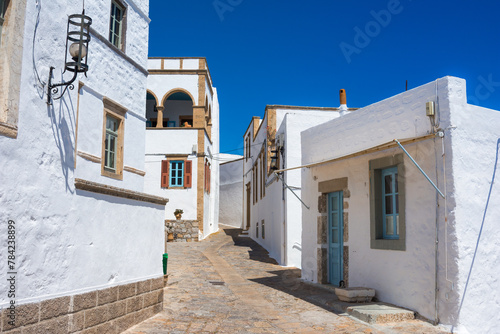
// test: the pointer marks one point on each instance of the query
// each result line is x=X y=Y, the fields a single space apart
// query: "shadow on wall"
x=62 y=136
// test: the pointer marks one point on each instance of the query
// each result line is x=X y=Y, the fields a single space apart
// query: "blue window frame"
x=176 y=174
x=171 y=124
x=390 y=203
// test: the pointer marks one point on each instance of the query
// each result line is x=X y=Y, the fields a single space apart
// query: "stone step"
x=380 y=313
x=374 y=312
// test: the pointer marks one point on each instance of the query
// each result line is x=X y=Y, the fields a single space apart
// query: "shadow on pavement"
x=256 y=252
x=286 y=280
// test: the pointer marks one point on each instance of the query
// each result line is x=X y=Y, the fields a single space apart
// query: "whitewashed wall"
x=474 y=150
x=160 y=87
x=231 y=190
x=280 y=210
x=296 y=122
x=171 y=141
x=181 y=141
x=71 y=241
x=214 y=148
x=406 y=278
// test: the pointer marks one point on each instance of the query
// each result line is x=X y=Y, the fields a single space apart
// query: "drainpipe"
x=436 y=245
x=343 y=103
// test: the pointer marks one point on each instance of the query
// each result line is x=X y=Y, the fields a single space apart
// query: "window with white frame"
x=117 y=24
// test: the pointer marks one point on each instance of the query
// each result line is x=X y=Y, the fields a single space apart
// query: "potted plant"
x=178 y=213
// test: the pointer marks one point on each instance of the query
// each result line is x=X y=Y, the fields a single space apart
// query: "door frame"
x=248 y=189
x=340 y=195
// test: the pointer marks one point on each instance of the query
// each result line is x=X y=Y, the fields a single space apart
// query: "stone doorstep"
x=355 y=294
x=380 y=313
x=374 y=312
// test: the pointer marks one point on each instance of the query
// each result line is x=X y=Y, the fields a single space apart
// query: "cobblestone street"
x=228 y=284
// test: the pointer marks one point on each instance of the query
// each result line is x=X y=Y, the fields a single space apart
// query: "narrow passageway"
x=228 y=284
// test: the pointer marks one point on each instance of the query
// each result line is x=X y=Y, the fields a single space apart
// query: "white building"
x=180 y=149
x=85 y=241
x=272 y=213
x=376 y=221
x=231 y=190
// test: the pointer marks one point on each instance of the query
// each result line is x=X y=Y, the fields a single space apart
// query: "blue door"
x=335 y=237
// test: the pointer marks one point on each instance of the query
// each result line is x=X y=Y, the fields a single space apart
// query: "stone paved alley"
x=228 y=284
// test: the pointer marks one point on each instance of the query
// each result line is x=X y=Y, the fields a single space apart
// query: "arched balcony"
x=175 y=110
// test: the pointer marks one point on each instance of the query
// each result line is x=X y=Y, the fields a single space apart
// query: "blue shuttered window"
x=176 y=174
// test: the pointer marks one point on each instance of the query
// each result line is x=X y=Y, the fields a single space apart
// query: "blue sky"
x=303 y=52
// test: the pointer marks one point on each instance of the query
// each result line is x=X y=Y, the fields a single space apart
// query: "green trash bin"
x=165 y=260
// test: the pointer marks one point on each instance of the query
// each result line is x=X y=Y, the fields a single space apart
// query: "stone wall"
x=110 y=310
x=184 y=230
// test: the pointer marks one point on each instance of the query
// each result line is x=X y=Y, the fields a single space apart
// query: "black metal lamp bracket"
x=54 y=88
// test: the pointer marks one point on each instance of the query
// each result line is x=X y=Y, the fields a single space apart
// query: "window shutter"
x=164 y=173
x=209 y=179
x=187 y=173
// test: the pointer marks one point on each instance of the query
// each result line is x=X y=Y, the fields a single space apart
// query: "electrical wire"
x=35 y=70
x=241 y=148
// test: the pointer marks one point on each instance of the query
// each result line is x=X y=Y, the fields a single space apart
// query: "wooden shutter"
x=187 y=173
x=164 y=173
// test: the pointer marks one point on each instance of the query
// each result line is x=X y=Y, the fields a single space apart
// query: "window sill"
x=99 y=188
x=8 y=130
x=388 y=244
x=116 y=176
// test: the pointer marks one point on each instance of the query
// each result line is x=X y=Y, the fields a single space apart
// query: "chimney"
x=343 y=103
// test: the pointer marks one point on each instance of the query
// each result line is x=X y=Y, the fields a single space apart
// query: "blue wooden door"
x=335 y=237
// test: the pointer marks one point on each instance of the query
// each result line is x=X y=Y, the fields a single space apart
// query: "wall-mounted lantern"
x=77 y=42
x=275 y=159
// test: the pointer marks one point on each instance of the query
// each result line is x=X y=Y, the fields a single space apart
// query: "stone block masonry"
x=184 y=230
x=110 y=310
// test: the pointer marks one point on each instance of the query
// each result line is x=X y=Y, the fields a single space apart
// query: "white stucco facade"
x=265 y=198
x=178 y=94
x=71 y=240
x=231 y=190
x=421 y=277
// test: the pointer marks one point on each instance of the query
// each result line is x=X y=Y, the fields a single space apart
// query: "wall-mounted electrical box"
x=430 y=108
